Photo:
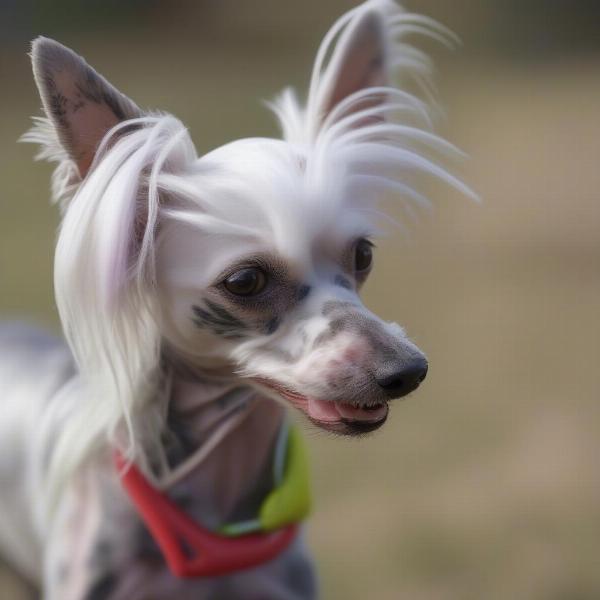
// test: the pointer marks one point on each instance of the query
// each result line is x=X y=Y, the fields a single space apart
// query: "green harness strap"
x=290 y=499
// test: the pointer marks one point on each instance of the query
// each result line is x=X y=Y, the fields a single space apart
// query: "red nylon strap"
x=205 y=554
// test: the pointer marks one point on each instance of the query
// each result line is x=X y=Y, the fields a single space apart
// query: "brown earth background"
x=486 y=484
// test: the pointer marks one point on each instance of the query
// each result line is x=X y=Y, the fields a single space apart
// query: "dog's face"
x=276 y=299
x=250 y=259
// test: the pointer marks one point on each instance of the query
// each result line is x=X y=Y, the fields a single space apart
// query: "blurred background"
x=486 y=483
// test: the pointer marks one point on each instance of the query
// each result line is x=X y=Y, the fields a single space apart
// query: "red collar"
x=189 y=549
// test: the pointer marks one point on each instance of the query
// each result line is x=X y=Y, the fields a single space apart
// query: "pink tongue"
x=358 y=414
x=322 y=410
x=331 y=412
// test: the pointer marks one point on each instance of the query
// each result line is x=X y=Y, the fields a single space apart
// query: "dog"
x=199 y=298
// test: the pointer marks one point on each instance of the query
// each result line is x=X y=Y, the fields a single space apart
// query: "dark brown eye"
x=246 y=282
x=363 y=256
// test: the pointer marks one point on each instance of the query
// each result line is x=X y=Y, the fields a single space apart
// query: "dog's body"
x=198 y=295
x=97 y=547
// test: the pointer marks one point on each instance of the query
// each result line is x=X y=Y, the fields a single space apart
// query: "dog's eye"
x=363 y=256
x=246 y=282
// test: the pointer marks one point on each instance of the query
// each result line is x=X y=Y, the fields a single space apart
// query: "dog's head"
x=249 y=259
x=275 y=296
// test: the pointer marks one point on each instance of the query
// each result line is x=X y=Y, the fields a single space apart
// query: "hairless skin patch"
x=272 y=326
x=343 y=282
x=219 y=320
x=103 y=587
x=303 y=292
x=245 y=315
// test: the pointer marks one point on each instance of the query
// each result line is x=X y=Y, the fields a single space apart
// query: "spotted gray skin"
x=347 y=316
x=219 y=321
x=103 y=587
x=238 y=318
x=90 y=94
x=303 y=292
x=343 y=282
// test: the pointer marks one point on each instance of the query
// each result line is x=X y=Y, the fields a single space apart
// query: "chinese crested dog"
x=199 y=297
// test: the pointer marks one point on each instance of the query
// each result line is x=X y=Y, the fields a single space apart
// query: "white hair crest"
x=362 y=137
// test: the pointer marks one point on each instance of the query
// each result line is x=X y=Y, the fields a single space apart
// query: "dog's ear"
x=79 y=102
x=359 y=61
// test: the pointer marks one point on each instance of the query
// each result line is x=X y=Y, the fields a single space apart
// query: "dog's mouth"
x=336 y=417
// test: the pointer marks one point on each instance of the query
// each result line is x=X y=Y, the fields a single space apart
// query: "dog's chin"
x=334 y=417
x=350 y=428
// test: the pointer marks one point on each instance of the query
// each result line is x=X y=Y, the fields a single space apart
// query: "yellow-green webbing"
x=290 y=501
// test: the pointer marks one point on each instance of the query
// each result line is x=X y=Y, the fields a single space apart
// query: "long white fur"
x=147 y=174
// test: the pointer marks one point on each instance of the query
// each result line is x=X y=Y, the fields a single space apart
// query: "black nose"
x=401 y=379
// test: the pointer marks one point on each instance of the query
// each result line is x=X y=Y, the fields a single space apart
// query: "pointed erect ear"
x=79 y=102
x=358 y=61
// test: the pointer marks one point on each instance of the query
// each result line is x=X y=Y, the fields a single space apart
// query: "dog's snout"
x=398 y=380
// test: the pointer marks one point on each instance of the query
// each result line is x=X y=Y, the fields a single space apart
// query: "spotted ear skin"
x=79 y=102
x=359 y=61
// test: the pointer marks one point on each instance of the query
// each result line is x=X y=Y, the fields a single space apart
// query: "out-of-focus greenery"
x=486 y=483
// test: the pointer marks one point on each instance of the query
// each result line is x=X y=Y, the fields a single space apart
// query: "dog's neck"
x=234 y=473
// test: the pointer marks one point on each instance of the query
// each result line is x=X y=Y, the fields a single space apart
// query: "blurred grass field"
x=486 y=483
